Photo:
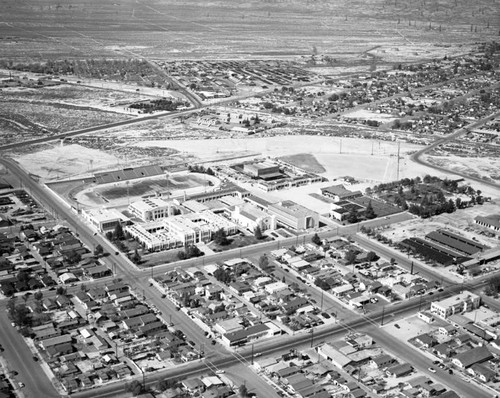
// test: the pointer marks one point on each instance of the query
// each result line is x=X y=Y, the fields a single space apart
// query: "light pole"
x=143 y=378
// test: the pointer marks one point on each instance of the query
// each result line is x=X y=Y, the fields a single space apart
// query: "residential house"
x=483 y=372
x=400 y=370
x=471 y=357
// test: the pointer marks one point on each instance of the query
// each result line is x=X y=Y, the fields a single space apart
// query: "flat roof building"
x=181 y=230
x=294 y=216
x=462 y=302
x=150 y=209
x=104 y=219
x=339 y=192
x=264 y=170
x=251 y=217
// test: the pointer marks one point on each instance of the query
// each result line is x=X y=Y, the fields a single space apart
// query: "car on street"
x=397 y=326
x=35 y=359
x=432 y=370
x=21 y=384
x=450 y=371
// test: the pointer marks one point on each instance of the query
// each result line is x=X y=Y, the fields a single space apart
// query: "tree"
x=136 y=258
x=220 y=237
x=60 y=291
x=352 y=217
x=243 y=391
x=222 y=275
x=98 y=250
x=73 y=257
x=372 y=256
x=263 y=262
x=118 y=232
x=369 y=212
x=350 y=256
x=38 y=296
x=322 y=284
x=135 y=387
x=258 y=233
x=316 y=239
x=189 y=252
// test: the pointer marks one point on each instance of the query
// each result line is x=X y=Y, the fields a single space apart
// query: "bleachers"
x=127 y=174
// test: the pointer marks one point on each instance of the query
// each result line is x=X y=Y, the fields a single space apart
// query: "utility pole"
x=397 y=171
x=252 y=354
x=383 y=313
x=321 y=299
x=312 y=336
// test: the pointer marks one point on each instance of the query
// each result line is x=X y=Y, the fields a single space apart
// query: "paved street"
x=20 y=359
x=218 y=356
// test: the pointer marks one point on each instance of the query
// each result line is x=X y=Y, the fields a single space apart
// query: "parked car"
x=432 y=370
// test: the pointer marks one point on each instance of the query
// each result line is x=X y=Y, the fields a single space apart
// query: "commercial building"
x=104 y=219
x=462 y=302
x=150 y=209
x=294 y=216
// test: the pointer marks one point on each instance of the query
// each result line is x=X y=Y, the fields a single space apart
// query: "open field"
x=27 y=113
x=304 y=161
x=338 y=156
x=486 y=168
x=195 y=29
x=172 y=184
x=67 y=161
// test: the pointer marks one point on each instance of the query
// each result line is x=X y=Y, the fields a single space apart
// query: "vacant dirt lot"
x=357 y=29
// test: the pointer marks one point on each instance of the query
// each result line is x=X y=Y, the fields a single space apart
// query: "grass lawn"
x=237 y=241
x=305 y=161
x=380 y=208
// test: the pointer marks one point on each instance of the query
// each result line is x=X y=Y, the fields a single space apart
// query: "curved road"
x=416 y=157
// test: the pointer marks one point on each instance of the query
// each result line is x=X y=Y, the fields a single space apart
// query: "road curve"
x=417 y=156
